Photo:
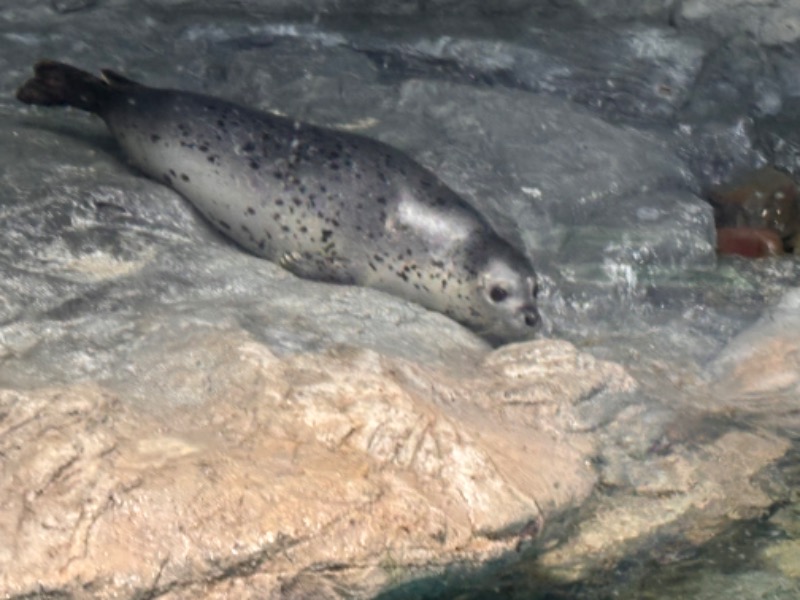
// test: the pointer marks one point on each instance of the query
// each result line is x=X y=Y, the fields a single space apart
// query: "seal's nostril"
x=531 y=318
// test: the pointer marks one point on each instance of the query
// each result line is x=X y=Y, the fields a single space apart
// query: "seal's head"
x=507 y=294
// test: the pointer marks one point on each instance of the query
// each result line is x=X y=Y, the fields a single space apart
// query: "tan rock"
x=269 y=466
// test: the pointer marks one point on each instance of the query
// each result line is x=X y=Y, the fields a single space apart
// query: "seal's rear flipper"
x=58 y=84
x=114 y=79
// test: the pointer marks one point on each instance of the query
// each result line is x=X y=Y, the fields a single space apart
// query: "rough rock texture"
x=178 y=418
x=758 y=373
x=344 y=465
x=768 y=22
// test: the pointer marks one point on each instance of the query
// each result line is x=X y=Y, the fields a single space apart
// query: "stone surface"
x=178 y=418
x=768 y=22
x=347 y=463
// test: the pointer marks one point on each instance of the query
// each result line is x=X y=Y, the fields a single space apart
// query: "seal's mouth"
x=522 y=326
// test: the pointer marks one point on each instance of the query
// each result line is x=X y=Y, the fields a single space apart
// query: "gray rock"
x=258 y=435
x=768 y=23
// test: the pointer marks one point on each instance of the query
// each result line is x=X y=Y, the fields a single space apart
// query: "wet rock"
x=622 y=10
x=770 y=24
x=759 y=370
x=254 y=434
x=68 y=6
x=715 y=481
x=362 y=7
x=765 y=198
x=637 y=71
x=779 y=138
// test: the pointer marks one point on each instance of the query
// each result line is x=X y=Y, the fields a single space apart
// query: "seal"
x=326 y=205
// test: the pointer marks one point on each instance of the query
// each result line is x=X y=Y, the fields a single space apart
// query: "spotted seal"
x=325 y=204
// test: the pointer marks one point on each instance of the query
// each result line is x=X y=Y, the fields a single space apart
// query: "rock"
x=770 y=24
x=246 y=433
x=759 y=370
x=279 y=465
x=359 y=7
x=68 y=6
x=766 y=198
x=750 y=242
x=714 y=480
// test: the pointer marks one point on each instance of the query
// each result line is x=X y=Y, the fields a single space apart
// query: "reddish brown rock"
x=766 y=198
x=749 y=242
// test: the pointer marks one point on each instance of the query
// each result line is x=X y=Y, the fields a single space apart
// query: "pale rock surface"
x=357 y=467
x=758 y=373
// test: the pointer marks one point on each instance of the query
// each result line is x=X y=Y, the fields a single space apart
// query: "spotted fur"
x=327 y=205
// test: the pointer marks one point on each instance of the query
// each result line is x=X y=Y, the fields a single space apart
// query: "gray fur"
x=326 y=205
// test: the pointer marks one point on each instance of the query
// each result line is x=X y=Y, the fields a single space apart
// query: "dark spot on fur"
x=184 y=176
x=250 y=210
x=155 y=138
x=261 y=245
x=249 y=147
x=223 y=224
x=381 y=200
x=326 y=235
x=254 y=165
x=173 y=173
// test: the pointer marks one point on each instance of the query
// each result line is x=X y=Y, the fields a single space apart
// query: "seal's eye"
x=498 y=294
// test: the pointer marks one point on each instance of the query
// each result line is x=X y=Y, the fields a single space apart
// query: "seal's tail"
x=58 y=84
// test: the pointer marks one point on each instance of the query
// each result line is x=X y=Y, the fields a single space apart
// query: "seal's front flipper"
x=58 y=84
